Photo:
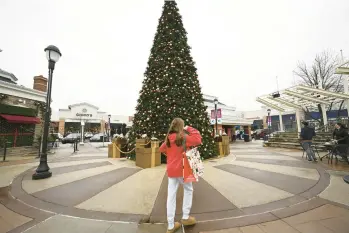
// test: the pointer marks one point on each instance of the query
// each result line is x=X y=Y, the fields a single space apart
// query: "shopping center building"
x=229 y=121
x=21 y=110
x=72 y=118
x=85 y=117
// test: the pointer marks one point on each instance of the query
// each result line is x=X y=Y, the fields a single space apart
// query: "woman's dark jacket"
x=341 y=135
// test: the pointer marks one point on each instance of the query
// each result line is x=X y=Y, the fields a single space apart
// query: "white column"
x=345 y=85
x=281 y=123
x=323 y=107
x=298 y=121
x=324 y=115
x=346 y=91
x=82 y=133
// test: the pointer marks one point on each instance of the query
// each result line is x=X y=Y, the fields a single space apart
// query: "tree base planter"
x=147 y=157
x=143 y=143
x=220 y=149
x=113 y=152
x=223 y=147
x=226 y=145
x=120 y=141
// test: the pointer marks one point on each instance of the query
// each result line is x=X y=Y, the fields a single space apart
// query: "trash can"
x=266 y=138
x=246 y=137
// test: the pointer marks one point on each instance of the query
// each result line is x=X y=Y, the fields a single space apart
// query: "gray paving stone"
x=288 y=183
x=123 y=228
x=154 y=228
x=59 y=224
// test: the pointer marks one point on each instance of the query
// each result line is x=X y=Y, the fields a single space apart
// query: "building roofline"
x=83 y=103
x=210 y=99
x=8 y=75
x=20 y=88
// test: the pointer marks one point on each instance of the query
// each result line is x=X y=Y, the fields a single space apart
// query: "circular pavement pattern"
x=252 y=185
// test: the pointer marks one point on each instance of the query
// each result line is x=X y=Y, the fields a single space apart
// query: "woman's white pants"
x=173 y=184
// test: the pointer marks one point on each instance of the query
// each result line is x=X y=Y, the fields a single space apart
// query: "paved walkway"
x=255 y=189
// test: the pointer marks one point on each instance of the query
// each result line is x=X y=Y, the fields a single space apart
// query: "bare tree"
x=321 y=74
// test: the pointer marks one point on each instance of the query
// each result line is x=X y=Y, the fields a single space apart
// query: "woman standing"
x=173 y=147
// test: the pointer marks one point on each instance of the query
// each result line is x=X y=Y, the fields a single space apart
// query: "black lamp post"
x=109 y=128
x=43 y=171
x=269 y=122
x=215 y=113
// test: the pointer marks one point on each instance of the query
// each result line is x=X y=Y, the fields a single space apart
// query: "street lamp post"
x=43 y=171
x=215 y=113
x=109 y=129
x=269 y=123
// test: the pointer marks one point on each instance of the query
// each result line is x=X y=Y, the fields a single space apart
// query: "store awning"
x=20 y=119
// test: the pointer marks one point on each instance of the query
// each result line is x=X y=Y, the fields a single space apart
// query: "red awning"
x=21 y=119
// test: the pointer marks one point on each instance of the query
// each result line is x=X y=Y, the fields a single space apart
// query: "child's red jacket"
x=175 y=153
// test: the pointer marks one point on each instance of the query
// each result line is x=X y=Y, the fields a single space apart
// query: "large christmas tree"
x=171 y=87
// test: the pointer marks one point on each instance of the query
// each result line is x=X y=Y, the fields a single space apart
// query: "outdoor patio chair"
x=304 y=152
x=311 y=148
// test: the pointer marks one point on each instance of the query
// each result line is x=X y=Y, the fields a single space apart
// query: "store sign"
x=219 y=116
x=213 y=114
x=84 y=113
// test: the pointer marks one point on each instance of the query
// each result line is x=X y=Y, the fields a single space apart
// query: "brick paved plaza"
x=253 y=190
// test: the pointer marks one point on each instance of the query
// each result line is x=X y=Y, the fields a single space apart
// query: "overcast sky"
x=239 y=46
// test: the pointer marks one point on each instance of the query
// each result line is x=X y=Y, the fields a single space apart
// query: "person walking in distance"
x=307 y=134
x=173 y=148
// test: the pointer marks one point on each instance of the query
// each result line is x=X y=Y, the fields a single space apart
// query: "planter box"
x=223 y=149
x=148 y=157
x=110 y=150
x=219 y=146
x=225 y=139
x=140 y=143
x=113 y=152
x=226 y=145
x=121 y=141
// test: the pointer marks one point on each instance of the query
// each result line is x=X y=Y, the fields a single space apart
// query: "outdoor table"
x=330 y=148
